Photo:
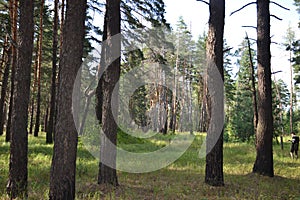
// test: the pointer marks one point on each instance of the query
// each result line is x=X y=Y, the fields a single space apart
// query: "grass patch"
x=184 y=179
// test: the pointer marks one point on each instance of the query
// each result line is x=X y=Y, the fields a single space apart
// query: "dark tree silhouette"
x=214 y=51
x=264 y=150
x=17 y=182
x=108 y=174
x=50 y=127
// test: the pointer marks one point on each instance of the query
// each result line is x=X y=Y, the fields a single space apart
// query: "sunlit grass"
x=184 y=179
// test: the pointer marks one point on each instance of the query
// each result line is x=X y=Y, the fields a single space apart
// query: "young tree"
x=108 y=174
x=289 y=40
x=17 y=182
x=243 y=117
x=62 y=180
x=214 y=53
x=264 y=150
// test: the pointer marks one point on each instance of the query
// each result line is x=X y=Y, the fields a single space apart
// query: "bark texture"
x=49 y=135
x=63 y=168
x=107 y=174
x=17 y=182
x=215 y=95
x=264 y=150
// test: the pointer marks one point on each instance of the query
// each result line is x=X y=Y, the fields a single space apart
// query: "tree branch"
x=204 y=2
x=277 y=4
x=242 y=8
x=249 y=27
x=228 y=49
x=276 y=17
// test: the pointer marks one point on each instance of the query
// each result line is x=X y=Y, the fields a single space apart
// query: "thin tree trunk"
x=40 y=56
x=264 y=150
x=63 y=167
x=46 y=117
x=31 y=126
x=7 y=53
x=17 y=182
x=292 y=91
x=108 y=174
x=50 y=127
x=214 y=139
x=254 y=98
x=280 y=113
x=174 y=98
x=13 y=12
x=85 y=111
x=99 y=91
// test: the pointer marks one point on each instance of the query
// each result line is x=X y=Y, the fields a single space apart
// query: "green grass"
x=184 y=179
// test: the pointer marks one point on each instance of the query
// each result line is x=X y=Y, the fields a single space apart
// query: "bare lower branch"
x=250 y=27
x=242 y=8
x=204 y=2
x=276 y=17
x=276 y=72
x=277 y=4
x=252 y=39
x=228 y=49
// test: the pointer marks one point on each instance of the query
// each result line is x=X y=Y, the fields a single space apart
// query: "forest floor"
x=184 y=179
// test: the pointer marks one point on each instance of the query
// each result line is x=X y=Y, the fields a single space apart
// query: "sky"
x=196 y=15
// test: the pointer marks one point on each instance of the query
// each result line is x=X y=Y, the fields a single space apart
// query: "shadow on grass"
x=178 y=184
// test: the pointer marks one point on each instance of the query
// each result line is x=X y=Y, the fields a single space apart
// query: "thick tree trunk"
x=264 y=150
x=215 y=101
x=62 y=180
x=107 y=174
x=39 y=65
x=17 y=182
x=13 y=13
x=49 y=134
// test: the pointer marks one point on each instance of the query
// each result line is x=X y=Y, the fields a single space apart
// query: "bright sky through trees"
x=196 y=15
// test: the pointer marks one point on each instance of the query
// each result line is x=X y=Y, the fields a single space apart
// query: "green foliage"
x=239 y=122
x=280 y=103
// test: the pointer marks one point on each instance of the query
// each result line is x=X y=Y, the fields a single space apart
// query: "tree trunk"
x=7 y=53
x=45 y=127
x=107 y=174
x=35 y=77
x=62 y=22
x=49 y=134
x=174 y=97
x=264 y=151
x=215 y=101
x=17 y=182
x=62 y=179
x=292 y=91
x=254 y=99
x=13 y=13
x=88 y=97
x=39 y=65
x=99 y=92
